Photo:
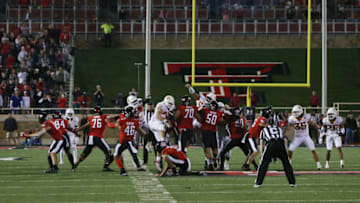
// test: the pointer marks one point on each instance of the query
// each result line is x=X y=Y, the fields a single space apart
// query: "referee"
x=275 y=147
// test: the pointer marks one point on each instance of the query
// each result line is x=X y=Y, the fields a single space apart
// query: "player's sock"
x=119 y=163
x=62 y=153
x=71 y=159
x=50 y=162
x=341 y=163
x=75 y=154
x=318 y=165
x=185 y=150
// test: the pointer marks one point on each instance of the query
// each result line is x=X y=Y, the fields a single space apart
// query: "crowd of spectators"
x=34 y=68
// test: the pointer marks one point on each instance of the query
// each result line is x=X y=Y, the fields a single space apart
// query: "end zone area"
x=24 y=181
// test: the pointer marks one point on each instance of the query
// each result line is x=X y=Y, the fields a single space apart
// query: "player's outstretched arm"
x=82 y=127
x=192 y=92
x=40 y=133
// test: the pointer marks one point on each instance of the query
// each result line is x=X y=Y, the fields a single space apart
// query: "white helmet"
x=69 y=112
x=331 y=113
x=210 y=97
x=221 y=106
x=132 y=100
x=169 y=101
x=297 y=111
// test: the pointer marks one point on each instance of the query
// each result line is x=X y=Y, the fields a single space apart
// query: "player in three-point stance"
x=185 y=115
x=253 y=134
x=97 y=123
x=272 y=136
x=128 y=126
x=159 y=124
x=56 y=127
x=174 y=157
x=73 y=122
x=333 y=126
x=300 y=122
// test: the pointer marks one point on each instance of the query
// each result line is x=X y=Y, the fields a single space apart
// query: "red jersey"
x=175 y=152
x=97 y=125
x=238 y=128
x=211 y=119
x=57 y=127
x=255 y=129
x=187 y=116
x=128 y=127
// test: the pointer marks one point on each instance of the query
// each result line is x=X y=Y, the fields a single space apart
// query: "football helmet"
x=97 y=110
x=140 y=101
x=214 y=106
x=43 y=116
x=210 y=97
x=185 y=100
x=297 y=111
x=56 y=115
x=271 y=121
x=265 y=113
x=69 y=112
x=236 y=111
x=169 y=101
x=331 y=113
x=129 y=111
x=132 y=100
x=221 y=106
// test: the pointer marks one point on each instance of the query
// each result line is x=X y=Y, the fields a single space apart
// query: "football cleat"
x=327 y=165
x=245 y=167
x=292 y=185
x=257 y=186
x=341 y=163
x=157 y=164
x=52 y=170
x=107 y=169
x=123 y=172
x=211 y=167
x=226 y=165
x=140 y=169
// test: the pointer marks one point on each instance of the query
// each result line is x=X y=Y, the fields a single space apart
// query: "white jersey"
x=165 y=111
x=332 y=127
x=301 y=126
x=73 y=122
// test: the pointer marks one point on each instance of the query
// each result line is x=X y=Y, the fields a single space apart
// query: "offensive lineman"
x=97 y=123
x=159 y=124
x=300 y=122
x=333 y=126
x=73 y=122
x=185 y=115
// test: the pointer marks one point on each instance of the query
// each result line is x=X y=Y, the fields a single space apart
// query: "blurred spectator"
x=76 y=95
x=23 y=54
x=16 y=101
x=26 y=100
x=235 y=100
x=163 y=14
x=60 y=77
x=84 y=100
x=62 y=102
x=107 y=27
x=314 y=100
x=10 y=126
x=22 y=75
x=119 y=100
x=351 y=127
x=98 y=96
x=133 y=92
x=46 y=101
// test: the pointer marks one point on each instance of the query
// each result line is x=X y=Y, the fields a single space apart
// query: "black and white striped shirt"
x=147 y=115
x=271 y=133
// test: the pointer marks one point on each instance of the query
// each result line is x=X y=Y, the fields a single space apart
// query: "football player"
x=56 y=128
x=333 y=126
x=128 y=126
x=174 y=157
x=300 y=121
x=254 y=133
x=209 y=119
x=159 y=123
x=73 y=122
x=201 y=100
x=185 y=115
x=97 y=124
x=236 y=129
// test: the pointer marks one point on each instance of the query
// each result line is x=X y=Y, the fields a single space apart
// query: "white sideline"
x=147 y=186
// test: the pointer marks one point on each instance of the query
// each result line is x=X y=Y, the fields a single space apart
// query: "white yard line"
x=147 y=186
x=265 y=185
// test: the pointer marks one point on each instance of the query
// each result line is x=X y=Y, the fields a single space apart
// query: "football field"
x=24 y=181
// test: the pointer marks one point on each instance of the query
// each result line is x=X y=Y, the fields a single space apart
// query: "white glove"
x=320 y=140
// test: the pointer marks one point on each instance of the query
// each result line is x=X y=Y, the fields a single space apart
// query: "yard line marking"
x=252 y=191
x=147 y=186
x=281 y=200
x=63 y=180
x=59 y=186
x=243 y=184
x=59 y=194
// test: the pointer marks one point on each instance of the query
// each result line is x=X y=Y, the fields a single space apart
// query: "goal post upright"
x=250 y=85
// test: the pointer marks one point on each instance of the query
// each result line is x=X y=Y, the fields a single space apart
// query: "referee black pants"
x=275 y=149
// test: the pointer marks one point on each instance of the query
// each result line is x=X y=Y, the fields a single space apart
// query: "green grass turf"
x=24 y=181
x=114 y=69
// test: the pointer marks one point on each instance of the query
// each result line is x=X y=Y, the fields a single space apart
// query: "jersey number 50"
x=211 y=119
